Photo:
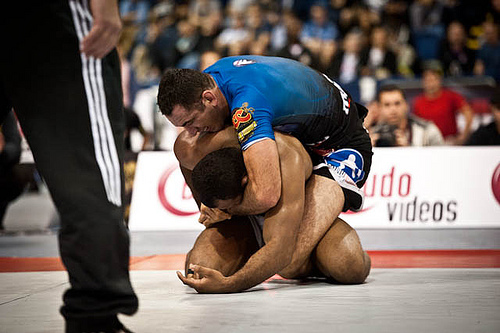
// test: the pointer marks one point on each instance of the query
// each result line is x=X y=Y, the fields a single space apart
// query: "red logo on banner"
x=164 y=198
x=495 y=183
x=349 y=212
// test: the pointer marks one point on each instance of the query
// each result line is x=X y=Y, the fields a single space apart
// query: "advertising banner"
x=431 y=187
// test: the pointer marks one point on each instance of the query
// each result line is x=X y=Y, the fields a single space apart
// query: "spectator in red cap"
x=442 y=105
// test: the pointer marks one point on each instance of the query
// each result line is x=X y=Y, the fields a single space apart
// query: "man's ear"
x=244 y=181
x=209 y=96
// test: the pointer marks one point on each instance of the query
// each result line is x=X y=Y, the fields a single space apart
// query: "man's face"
x=208 y=119
x=431 y=82
x=393 y=107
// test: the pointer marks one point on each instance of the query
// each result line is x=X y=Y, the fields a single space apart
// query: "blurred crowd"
x=358 y=43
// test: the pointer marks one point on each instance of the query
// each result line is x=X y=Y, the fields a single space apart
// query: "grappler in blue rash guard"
x=258 y=94
x=237 y=254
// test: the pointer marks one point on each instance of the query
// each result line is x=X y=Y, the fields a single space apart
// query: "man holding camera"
x=396 y=127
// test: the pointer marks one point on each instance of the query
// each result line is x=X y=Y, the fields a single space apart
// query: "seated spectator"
x=301 y=8
x=160 y=39
x=335 y=8
x=442 y=105
x=426 y=15
x=319 y=33
x=238 y=6
x=456 y=57
x=357 y=16
x=144 y=72
x=294 y=49
x=378 y=60
x=488 y=56
x=202 y=10
x=488 y=135
x=186 y=45
x=135 y=11
x=10 y=153
x=209 y=31
x=395 y=20
x=346 y=64
x=396 y=127
x=234 y=39
x=279 y=30
x=260 y=30
x=426 y=27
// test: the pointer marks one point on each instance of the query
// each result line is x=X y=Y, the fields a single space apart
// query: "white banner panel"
x=161 y=200
x=432 y=187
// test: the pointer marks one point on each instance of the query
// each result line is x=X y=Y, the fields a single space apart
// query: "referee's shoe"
x=96 y=325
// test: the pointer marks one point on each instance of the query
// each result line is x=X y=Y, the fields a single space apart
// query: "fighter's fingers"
x=202 y=271
x=193 y=283
x=203 y=217
x=181 y=277
x=190 y=282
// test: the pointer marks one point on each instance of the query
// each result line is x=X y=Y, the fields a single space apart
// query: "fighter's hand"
x=209 y=281
x=105 y=31
x=209 y=216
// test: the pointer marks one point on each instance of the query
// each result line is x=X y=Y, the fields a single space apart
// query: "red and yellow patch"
x=243 y=122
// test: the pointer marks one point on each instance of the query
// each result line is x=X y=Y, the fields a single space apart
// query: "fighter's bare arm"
x=280 y=228
x=282 y=222
x=264 y=180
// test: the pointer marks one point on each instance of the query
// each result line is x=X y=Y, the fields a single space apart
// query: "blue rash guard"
x=266 y=93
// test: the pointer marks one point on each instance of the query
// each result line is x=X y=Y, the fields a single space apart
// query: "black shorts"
x=348 y=163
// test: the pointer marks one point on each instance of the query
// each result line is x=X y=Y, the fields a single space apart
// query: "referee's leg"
x=70 y=110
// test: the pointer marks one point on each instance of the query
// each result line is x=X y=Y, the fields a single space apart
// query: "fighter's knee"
x=355 y=270
x=351 y=268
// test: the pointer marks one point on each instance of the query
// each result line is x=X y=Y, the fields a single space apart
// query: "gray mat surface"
x=393 y=300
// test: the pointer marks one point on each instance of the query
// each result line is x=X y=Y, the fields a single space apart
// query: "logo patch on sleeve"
x=243 y=62
x=243 y=122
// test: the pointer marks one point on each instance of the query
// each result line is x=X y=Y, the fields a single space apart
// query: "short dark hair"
x=181 y=86
x=433 y=66
x=219 y=175
x=387 y=88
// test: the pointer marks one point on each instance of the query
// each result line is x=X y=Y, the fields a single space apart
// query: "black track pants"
x=70 y=110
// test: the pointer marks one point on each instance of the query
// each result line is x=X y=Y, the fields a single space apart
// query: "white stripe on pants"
x=104 y=143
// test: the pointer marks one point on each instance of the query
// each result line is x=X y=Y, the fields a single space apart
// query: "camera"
x=387 y=137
